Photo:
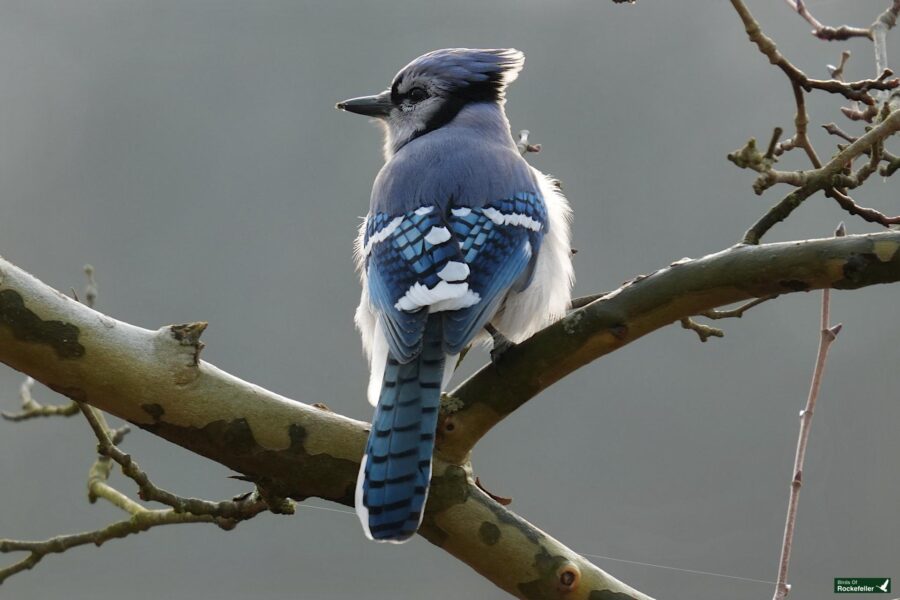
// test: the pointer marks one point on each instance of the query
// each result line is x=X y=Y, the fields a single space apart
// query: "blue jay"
x=462 y=236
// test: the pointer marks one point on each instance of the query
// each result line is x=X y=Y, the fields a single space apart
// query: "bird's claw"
x=502 y=344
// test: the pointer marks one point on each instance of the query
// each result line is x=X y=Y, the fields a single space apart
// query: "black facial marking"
x=417 y=94
x=489 y=90
x=450 y=102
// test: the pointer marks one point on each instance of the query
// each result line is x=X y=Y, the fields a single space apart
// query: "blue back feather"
x=470 y=162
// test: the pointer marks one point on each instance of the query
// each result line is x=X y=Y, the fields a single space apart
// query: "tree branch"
x=224 y=514
x=825 y=32
x=684 y=289
x=32 y=409
x=830 y=178
x=823 y=178
x=155 y=380
x=856 y=90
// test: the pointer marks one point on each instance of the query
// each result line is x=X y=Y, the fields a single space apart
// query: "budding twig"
x=827 y=334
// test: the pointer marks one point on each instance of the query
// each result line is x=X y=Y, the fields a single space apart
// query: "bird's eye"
x=417 y=94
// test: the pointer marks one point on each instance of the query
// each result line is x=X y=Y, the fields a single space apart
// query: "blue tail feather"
x=396 y=470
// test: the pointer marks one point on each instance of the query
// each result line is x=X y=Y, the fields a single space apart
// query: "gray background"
x=191 y=152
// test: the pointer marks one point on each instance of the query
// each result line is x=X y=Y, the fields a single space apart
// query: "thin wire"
x=695 y=572
x=622 y=560
x=337 y=510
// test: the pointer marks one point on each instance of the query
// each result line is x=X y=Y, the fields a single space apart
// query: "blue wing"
x=500 y=242
x=461 y=263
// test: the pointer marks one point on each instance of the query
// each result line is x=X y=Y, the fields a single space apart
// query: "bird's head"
x=431 y=90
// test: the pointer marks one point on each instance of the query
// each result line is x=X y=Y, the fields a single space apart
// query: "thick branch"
x=155 y=380
x=684 y=289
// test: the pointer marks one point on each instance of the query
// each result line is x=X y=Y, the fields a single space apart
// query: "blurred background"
x=191 y=152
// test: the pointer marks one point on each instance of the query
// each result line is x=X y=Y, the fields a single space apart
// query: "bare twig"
x=99 y=475
x=704 y=332
x=31 y=408
x=855 y=90
x=736 y=313
x=134 y=524
x=893 y=163
x=90 y=287
x=855 y=114
x=225 y=514
x=524 y=146
x=890 y=160
x=827 y=177
x=830 y=178
x=800 y=7
x=882 y=23
x=827 y=334
x=837 y=72
x=867 y=214
x=824 y=32
x=876 y=32
x=583 y=301
x=801 y=123
x=879 y=28
x=833 y=129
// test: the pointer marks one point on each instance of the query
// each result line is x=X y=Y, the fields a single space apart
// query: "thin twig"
x=31 y=408
x=837 y=72
x=827 y=335
x=704 y=332
x=879 y=28
x=583 y=301
x=824 y=32
x=824 y=178
x=833 y=129
x=135 y=524
x=223 y=511
x=831 y=177
x=524 y=146
x=855 y=90
x=226 y=514
x=801 y=123
x=867 y=214
x=736 y=313
x=892 y=162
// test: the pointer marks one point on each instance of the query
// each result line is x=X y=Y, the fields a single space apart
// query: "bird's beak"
x=378 y=105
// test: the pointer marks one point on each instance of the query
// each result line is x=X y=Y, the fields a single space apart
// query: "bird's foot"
x=502 y=344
